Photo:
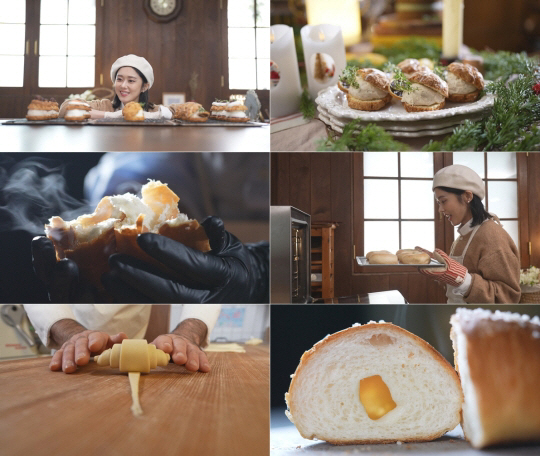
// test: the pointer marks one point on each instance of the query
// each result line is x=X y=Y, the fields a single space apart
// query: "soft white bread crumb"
x=498 y=359
x=323 y=398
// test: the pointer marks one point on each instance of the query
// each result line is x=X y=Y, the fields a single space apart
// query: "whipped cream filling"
x=458 y=85
x=366 y=91
x=421 y=95
x=39 y=112
x=75 y=113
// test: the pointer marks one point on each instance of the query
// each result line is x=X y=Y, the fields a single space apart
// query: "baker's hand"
x=230 y=273
x=424 y=251
x=60 y=277
x=183 y=351
x=452 y=272
x=95 y=114
x=76 y=351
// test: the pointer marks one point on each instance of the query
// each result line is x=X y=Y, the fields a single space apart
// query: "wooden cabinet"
x=322 y=260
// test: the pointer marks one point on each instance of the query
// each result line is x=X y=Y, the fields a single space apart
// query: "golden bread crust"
x=342 y=88
x=468 y=73
x=43 y=105
x=131 y=110
x=191 y=112
x=431 y=80
x=409 y=66
x=371 y=105
x=463 y=97
x=374 y=77
x=418 y=108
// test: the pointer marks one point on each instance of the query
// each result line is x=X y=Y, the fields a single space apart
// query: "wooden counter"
x=90 y=138
x=224 y=412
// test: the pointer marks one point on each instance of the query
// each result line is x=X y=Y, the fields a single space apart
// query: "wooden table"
x=225 y=412
x=90 y=138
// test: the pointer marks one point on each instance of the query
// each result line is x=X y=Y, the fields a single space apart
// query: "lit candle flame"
x=321 y=35
x=271 y=37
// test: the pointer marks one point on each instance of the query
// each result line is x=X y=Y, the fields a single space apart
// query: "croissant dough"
x=133 y=356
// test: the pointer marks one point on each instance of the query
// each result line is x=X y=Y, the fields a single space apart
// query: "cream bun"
x=428 y=92
x=368 y=91
x=464 y=82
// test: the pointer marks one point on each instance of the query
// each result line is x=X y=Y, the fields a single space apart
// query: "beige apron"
x=452 y=297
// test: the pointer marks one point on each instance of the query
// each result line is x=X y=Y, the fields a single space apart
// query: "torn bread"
x=114 y=226
x=374 y=383
x=497 y=356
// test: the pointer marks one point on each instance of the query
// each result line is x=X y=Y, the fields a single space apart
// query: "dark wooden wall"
x=196 y=41
x=497 y=24
x=321 y=185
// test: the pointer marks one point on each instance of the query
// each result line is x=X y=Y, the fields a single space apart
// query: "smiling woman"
x=132 y=76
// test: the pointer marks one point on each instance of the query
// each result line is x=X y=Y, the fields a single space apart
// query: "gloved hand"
x=452 y=272
x=60 y=277
x=230 y=273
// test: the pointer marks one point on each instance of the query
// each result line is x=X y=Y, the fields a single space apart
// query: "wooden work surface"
x=224 y=412
x=88 y=138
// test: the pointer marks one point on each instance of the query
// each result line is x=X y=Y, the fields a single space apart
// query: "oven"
x=290 y=277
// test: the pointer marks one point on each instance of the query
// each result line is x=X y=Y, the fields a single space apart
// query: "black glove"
x=60 y=277
x=230 y=273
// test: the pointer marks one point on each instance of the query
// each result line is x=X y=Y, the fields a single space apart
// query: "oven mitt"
x=452 y=273
x=230 y=273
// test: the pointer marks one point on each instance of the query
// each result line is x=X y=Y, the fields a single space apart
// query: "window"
x=248 y=43
x=499 y=172
x=12 y=42
x=67 y=43
x=398 y=201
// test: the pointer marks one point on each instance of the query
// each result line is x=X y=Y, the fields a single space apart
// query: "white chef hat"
x=134 y=61
x=460 y=177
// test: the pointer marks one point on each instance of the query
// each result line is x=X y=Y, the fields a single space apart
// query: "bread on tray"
x=191 y=111
x=114 y=226
x=497 y=356
x=374 y=383
x=403 y=256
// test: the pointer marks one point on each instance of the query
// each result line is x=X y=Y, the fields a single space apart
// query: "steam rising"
x=32 y=191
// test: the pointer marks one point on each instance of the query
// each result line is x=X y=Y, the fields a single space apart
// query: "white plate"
x=395 y=133
x=335 y=102
x=405 y=126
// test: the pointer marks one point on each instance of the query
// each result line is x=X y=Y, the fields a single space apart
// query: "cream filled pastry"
x=464 y=82
x=191 y=111
x=77 y=111
x=133 y=112
x=427 y=93
x=368 y=91
x=42 y=109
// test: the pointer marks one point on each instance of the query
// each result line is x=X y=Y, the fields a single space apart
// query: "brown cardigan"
x=100 y=105
x=492 y=259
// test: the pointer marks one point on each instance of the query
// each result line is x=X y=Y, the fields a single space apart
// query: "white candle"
x=324 y=54
x=285 y=88
x=346 y=13
x=452 y=28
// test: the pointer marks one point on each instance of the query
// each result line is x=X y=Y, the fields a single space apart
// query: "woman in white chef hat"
x=132 y=77
x=483 y=264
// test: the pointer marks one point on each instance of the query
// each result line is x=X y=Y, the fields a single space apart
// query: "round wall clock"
x=162 y=10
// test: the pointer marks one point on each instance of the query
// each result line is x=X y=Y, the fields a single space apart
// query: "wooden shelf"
x=322 y=259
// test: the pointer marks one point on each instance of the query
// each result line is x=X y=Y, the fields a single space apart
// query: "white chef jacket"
x=131 y=319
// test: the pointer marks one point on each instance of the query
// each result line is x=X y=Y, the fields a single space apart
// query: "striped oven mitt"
x=452 y=273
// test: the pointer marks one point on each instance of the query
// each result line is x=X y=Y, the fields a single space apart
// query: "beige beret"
x=460 y=177
x=134 y=61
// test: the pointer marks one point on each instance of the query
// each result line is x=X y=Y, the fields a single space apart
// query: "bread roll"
x=335 y=394
x=498 y=359
x=114 y=226
x=409 y=256
x=369 y=254
x=383 y=258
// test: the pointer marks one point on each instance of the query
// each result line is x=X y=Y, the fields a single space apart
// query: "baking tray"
x=59 y=121
x=362 y=261
x=218 y=123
